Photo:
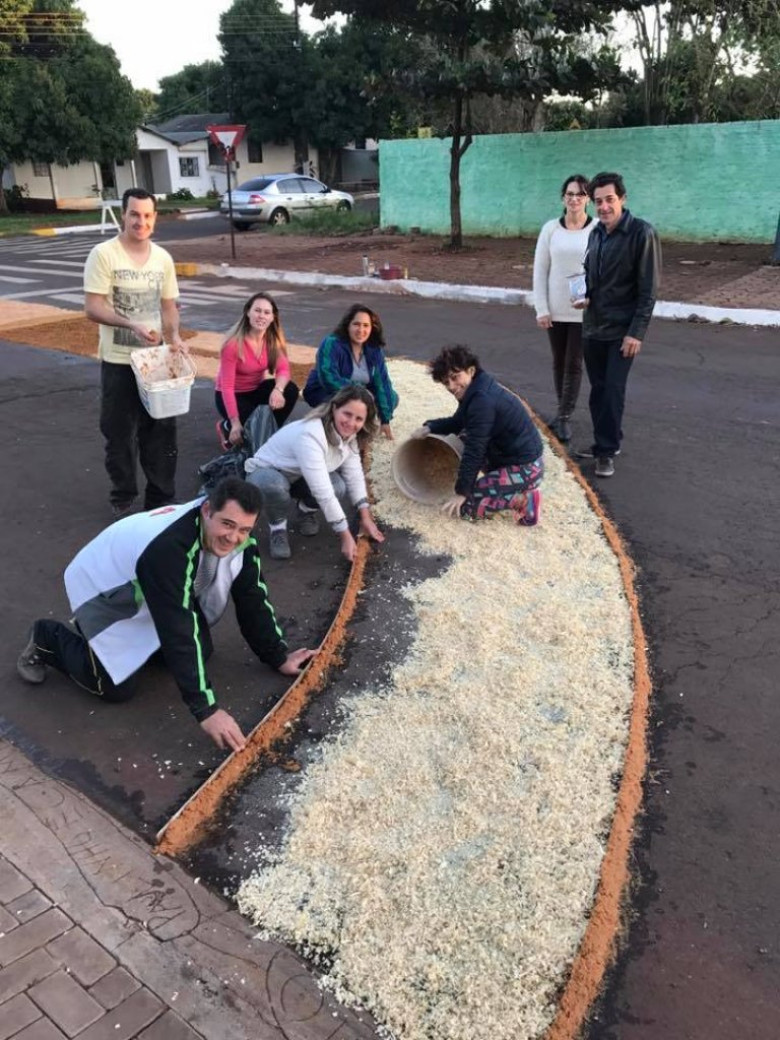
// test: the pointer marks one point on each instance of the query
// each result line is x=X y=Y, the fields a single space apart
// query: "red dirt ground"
x=718 y=274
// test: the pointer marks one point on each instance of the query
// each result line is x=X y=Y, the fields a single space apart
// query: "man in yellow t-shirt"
x=130 y=290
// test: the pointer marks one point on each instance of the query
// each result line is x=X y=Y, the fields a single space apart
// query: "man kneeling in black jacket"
x=158 y=581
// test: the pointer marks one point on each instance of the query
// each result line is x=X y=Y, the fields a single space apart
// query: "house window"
x=216 y=155
x=189 y=167
x=255 y=149
x=40 y=169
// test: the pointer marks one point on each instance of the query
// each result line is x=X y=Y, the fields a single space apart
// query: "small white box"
x=164 y=379
x=578 y=290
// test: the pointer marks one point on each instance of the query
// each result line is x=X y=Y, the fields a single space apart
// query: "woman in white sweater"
x=317 y=461
x=560 y=249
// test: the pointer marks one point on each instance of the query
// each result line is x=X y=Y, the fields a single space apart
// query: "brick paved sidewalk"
x=102 y=940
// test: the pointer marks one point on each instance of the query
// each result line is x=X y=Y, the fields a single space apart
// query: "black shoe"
x=563 y=430
x=119 y=510
x=605 y=467
x=29 y=663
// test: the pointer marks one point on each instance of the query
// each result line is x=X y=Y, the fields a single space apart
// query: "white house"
x=172 y=155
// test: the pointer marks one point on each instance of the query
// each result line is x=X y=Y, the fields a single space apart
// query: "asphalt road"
x=696 y=496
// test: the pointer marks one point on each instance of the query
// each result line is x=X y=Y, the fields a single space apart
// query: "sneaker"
x=119 y=510
x=590 y=454
x=308 y=525
x=525 y=508
x=279 y=545
x=223 y=434
x=605 y=467
x=29 y=664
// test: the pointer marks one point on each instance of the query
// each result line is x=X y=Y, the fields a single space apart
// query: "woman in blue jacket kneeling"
x=353 y=353
x=501 y=442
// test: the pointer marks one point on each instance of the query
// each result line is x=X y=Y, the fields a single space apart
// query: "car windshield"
x=255 y=185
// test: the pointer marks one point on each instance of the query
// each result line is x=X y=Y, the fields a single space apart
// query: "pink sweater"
x=242 y=377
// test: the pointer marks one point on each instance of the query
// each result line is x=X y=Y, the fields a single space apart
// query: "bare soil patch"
x=719 y=274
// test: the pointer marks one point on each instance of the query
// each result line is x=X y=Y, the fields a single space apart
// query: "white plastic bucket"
x=425 y=468
x=164 y=379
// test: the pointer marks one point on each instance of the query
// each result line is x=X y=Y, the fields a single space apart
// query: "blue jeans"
x=608 y=373
x=279 y=490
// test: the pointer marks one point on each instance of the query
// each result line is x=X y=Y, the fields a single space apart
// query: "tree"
x=197 y=88
x=350 y=88
x=691 y=49
x=266 y=59
x=147 y=103
x=496 y=48
x=62 y=95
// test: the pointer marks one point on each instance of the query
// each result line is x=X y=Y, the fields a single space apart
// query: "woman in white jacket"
x=560 y=249
x=316 y=461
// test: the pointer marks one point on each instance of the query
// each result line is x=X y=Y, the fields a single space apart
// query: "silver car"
x=276 y=197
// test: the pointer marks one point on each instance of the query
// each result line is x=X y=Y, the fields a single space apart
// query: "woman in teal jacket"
x=353 y=353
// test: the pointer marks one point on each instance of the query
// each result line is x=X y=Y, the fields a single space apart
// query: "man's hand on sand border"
x=295 y=661
x=224 y=731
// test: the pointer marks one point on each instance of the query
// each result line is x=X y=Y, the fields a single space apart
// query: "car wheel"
x=239 y=225
x=343 y=207
x=279 y=216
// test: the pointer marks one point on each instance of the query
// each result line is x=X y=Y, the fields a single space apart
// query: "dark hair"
x=452 y=359
x=601 y=180
x=137 y=193
x=580 y=179
x=275 y=340
x=377 y=337
x=232 y=489
x=350 y=392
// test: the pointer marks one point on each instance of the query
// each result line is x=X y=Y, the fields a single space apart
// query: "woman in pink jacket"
x=253 y=370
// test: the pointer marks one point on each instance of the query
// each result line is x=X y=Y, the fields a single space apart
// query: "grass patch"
x=24 y=223
x=328 y=222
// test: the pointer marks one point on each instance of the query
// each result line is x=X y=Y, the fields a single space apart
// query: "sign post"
x=228 y=138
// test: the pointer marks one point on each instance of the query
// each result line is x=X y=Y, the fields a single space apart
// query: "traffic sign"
x=227 y=138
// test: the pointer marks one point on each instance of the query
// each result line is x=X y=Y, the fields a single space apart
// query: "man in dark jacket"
x=622 y=266
x=158 y=581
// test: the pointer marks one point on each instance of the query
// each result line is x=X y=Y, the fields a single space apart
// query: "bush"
x=329 y=222
x=15 y=198
x=182 y=195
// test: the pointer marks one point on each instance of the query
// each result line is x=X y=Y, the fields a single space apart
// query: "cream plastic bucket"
x=425 y=468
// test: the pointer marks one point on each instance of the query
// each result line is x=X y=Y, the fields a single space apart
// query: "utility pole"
x=300 y=144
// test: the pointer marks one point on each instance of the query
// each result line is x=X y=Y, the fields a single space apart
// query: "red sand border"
x=599 y=943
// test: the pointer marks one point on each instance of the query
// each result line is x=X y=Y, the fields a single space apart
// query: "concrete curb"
x=475 y=293
x=76 y=230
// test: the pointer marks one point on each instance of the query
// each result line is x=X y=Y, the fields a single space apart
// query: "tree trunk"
x=3 y=203
x=458 y=148
x=456 y=230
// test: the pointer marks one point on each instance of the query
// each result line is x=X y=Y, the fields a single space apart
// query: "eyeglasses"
x=575 y=195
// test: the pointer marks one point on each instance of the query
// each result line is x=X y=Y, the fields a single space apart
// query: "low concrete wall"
x=710 y=182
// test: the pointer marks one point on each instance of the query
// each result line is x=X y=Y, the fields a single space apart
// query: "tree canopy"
x=63 y=97
x=518 y=49
x=197 y=88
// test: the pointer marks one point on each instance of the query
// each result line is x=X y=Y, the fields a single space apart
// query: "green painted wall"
x=714 y=181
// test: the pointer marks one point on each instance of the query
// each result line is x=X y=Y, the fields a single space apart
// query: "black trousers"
x=132 y=435
x=260 y=395
x=566 y=343
x=68 y=651
x=608 y=374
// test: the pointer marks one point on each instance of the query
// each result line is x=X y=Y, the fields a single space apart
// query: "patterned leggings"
x=512 y=487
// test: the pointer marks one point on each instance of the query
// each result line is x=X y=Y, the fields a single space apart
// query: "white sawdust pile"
x=444 y=850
